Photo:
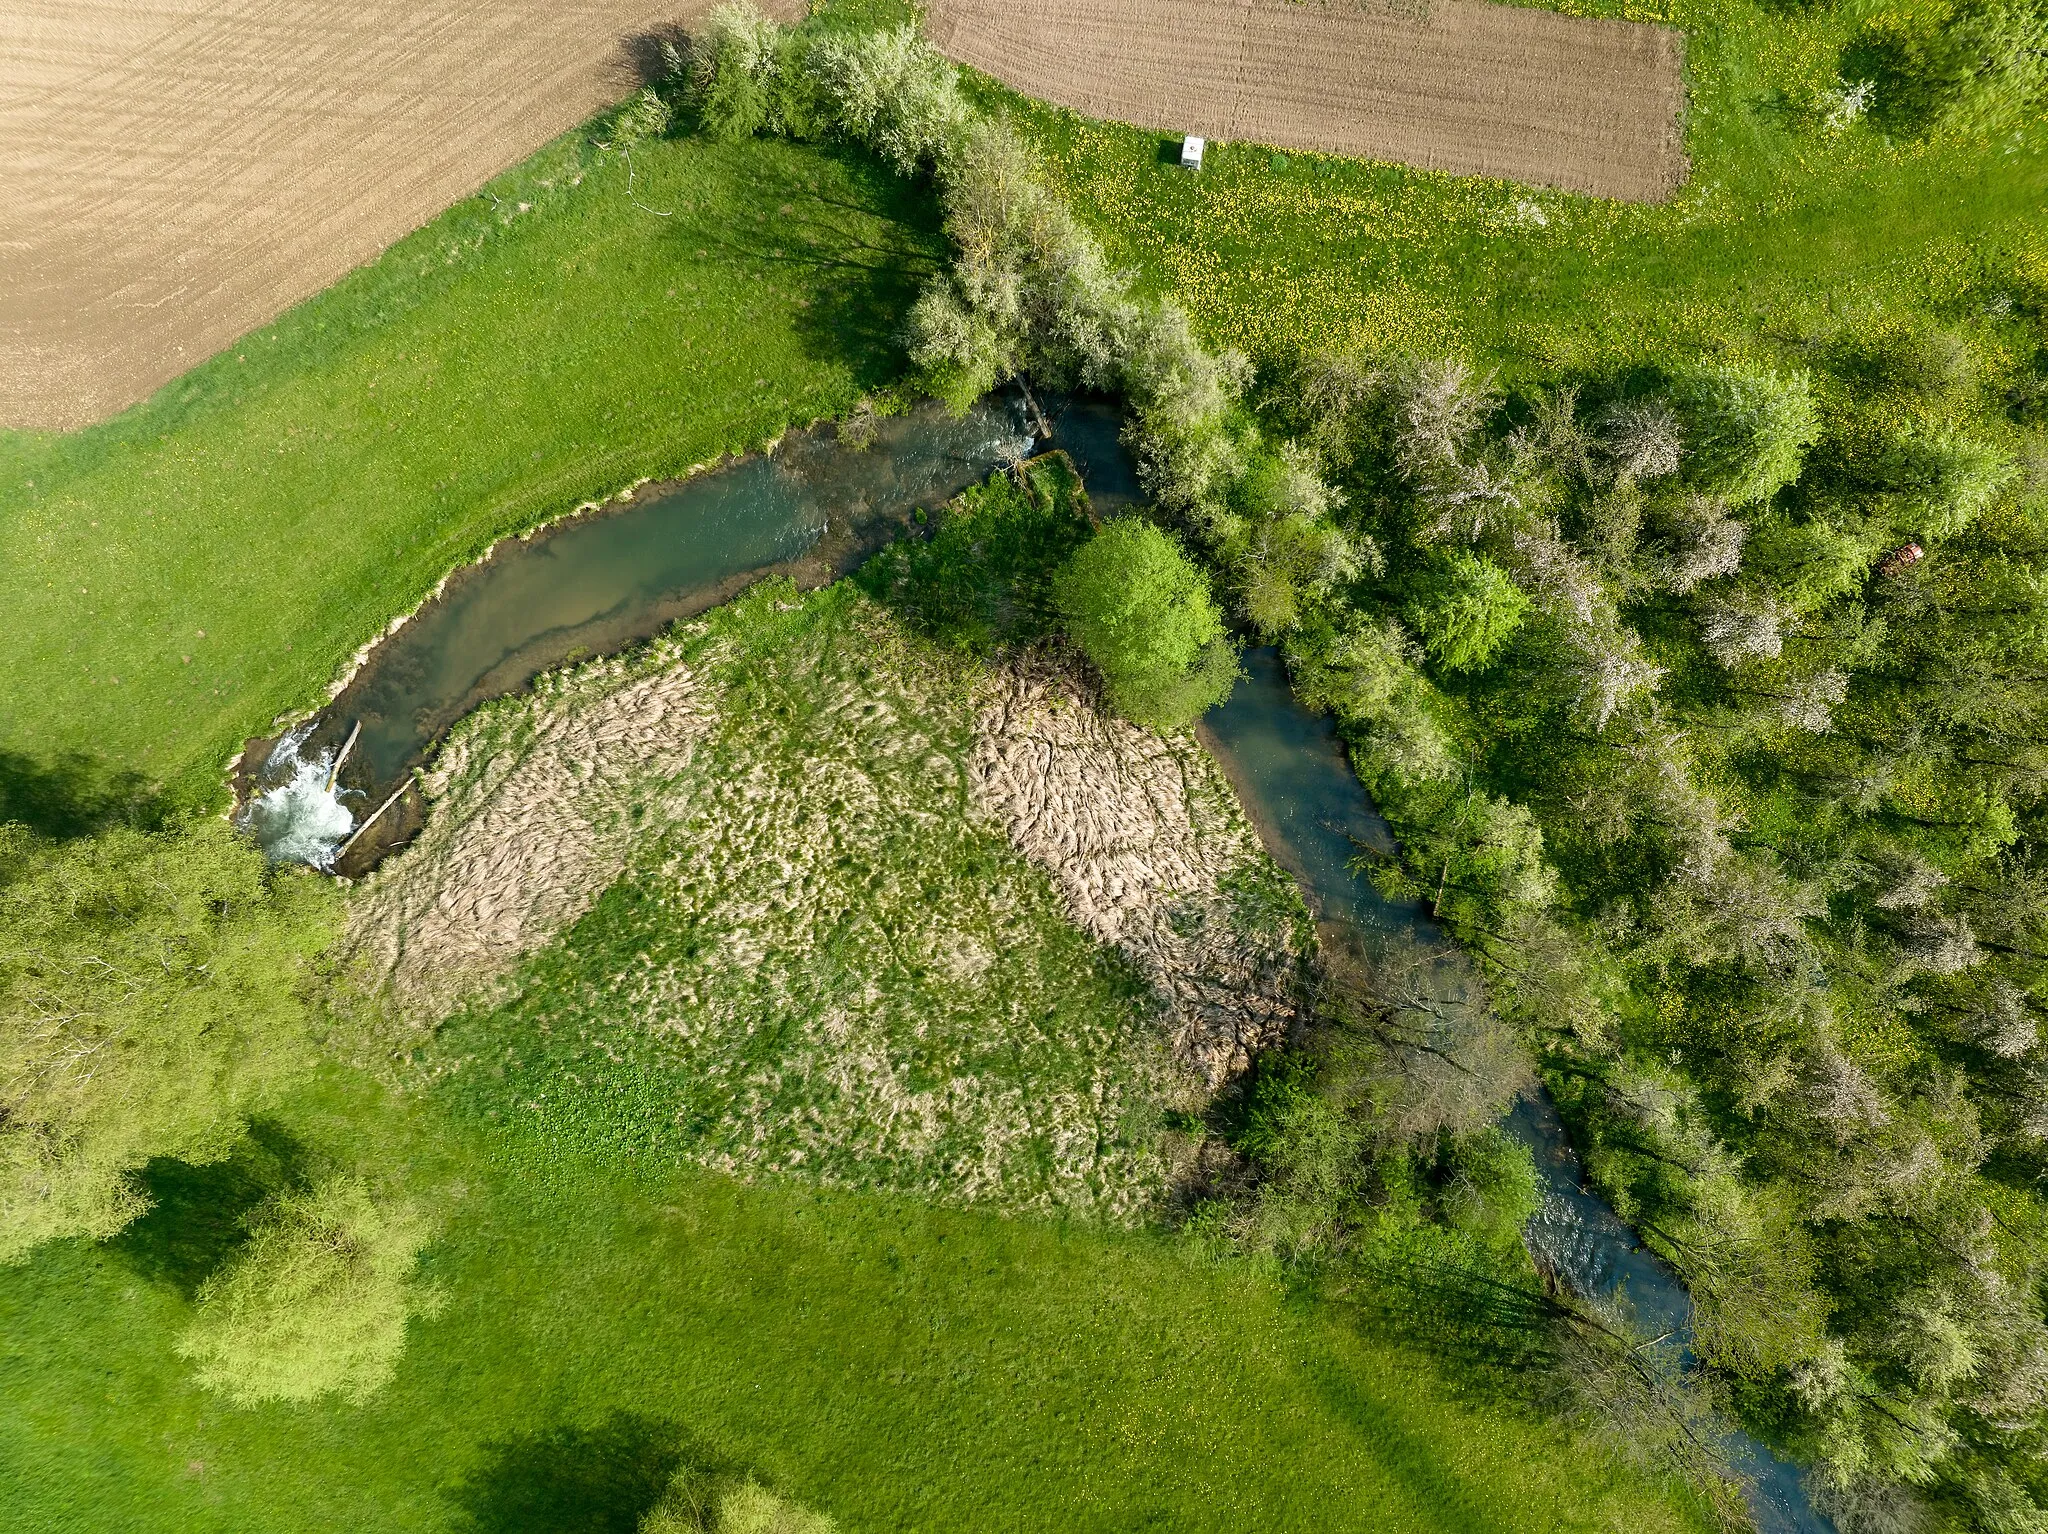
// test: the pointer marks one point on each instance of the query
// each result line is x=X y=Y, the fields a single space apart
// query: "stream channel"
x=814 y=509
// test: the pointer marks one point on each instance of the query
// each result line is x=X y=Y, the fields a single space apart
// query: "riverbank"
x=810 y=896
x=206 y=565
x=811 y=509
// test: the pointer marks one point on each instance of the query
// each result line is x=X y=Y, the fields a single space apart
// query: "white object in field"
x=1191 y=153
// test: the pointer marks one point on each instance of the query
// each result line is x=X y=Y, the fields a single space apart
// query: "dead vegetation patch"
x=1153 y=856
x=531 y=810
x=758 y=895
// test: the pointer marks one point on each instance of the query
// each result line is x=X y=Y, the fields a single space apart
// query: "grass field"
x=179 y=576
x=1783 y=228
x=818 y=962
x=898 y=1367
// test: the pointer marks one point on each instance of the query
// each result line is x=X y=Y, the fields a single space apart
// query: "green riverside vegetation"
x=1697 y=670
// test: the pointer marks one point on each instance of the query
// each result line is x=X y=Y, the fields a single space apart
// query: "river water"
x=1314 y=816
x=814 y=508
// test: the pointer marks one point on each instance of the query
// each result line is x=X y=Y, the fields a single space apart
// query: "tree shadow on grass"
x=72 y=793
x=862 y=258
x=198 y=1217
x=602 y=1479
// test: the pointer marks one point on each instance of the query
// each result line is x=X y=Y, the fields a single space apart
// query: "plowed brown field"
x=1453 y=85
x=177 y=172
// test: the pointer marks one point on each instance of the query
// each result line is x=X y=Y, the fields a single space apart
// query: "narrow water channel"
x=1314 y=816
x=815 y=508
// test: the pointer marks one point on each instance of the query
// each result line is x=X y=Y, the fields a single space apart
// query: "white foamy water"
x=292 y=815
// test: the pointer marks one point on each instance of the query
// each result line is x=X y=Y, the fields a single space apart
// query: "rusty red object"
x=1902 y=558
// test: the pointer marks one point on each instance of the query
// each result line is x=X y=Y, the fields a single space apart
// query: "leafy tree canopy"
x=1465 y=608
x=1142 y=612
x=150 y=997
x=1747 y=431
x=318 y=1301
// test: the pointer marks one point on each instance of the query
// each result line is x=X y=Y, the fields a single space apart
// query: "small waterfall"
x=292 y=813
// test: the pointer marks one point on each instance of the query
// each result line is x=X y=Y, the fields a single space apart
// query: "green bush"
x=1143 y=613
x=1748 y=431
x=1465 y=608
x=150 y=998
x=984 y=576
x=1969 y=69
x=734 y=70
x=1946 y=478
x=691 y=1506
x=316 y=1304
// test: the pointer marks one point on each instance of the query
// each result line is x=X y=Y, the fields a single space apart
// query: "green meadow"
x=896 y=1366
x=181 y=575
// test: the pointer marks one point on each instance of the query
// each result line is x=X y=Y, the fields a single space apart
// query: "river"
x=814 y=508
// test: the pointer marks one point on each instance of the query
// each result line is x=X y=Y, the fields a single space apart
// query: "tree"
x=1749 y=430
x=318 y=1301
x=151 y=995
x=1948 y=479
x=1640 y=440
x=1439 y=405
x=1739 y=630
x=895 y=93
x=1700 y=542
x=733 y=62
x=697 y=1504
x=1365 y=674
x=1465 y=609
x=1965 y=66
x=1605 y=665
x=1281 y=546
x=1142 y=612
x=1479 y=864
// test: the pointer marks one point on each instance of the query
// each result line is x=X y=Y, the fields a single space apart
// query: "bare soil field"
x=1451 y=85
x=181 y=171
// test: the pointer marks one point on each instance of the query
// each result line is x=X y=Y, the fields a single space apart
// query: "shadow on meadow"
x=864 y=258
x=198 y=1216
x=72 y=793
x=602 y=1479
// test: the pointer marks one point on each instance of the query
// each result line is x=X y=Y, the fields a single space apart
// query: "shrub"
x=1749 y=431
x=150 y=997
x=1365 y=674
x=1946 y=478
x=894 y=92
x=1967 y=70
x=1465 y=608
x=696 y=1504
x=316 y=1303
x=733 y=66
x=644 y=116
x=1143 y=613
x=983 y=577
